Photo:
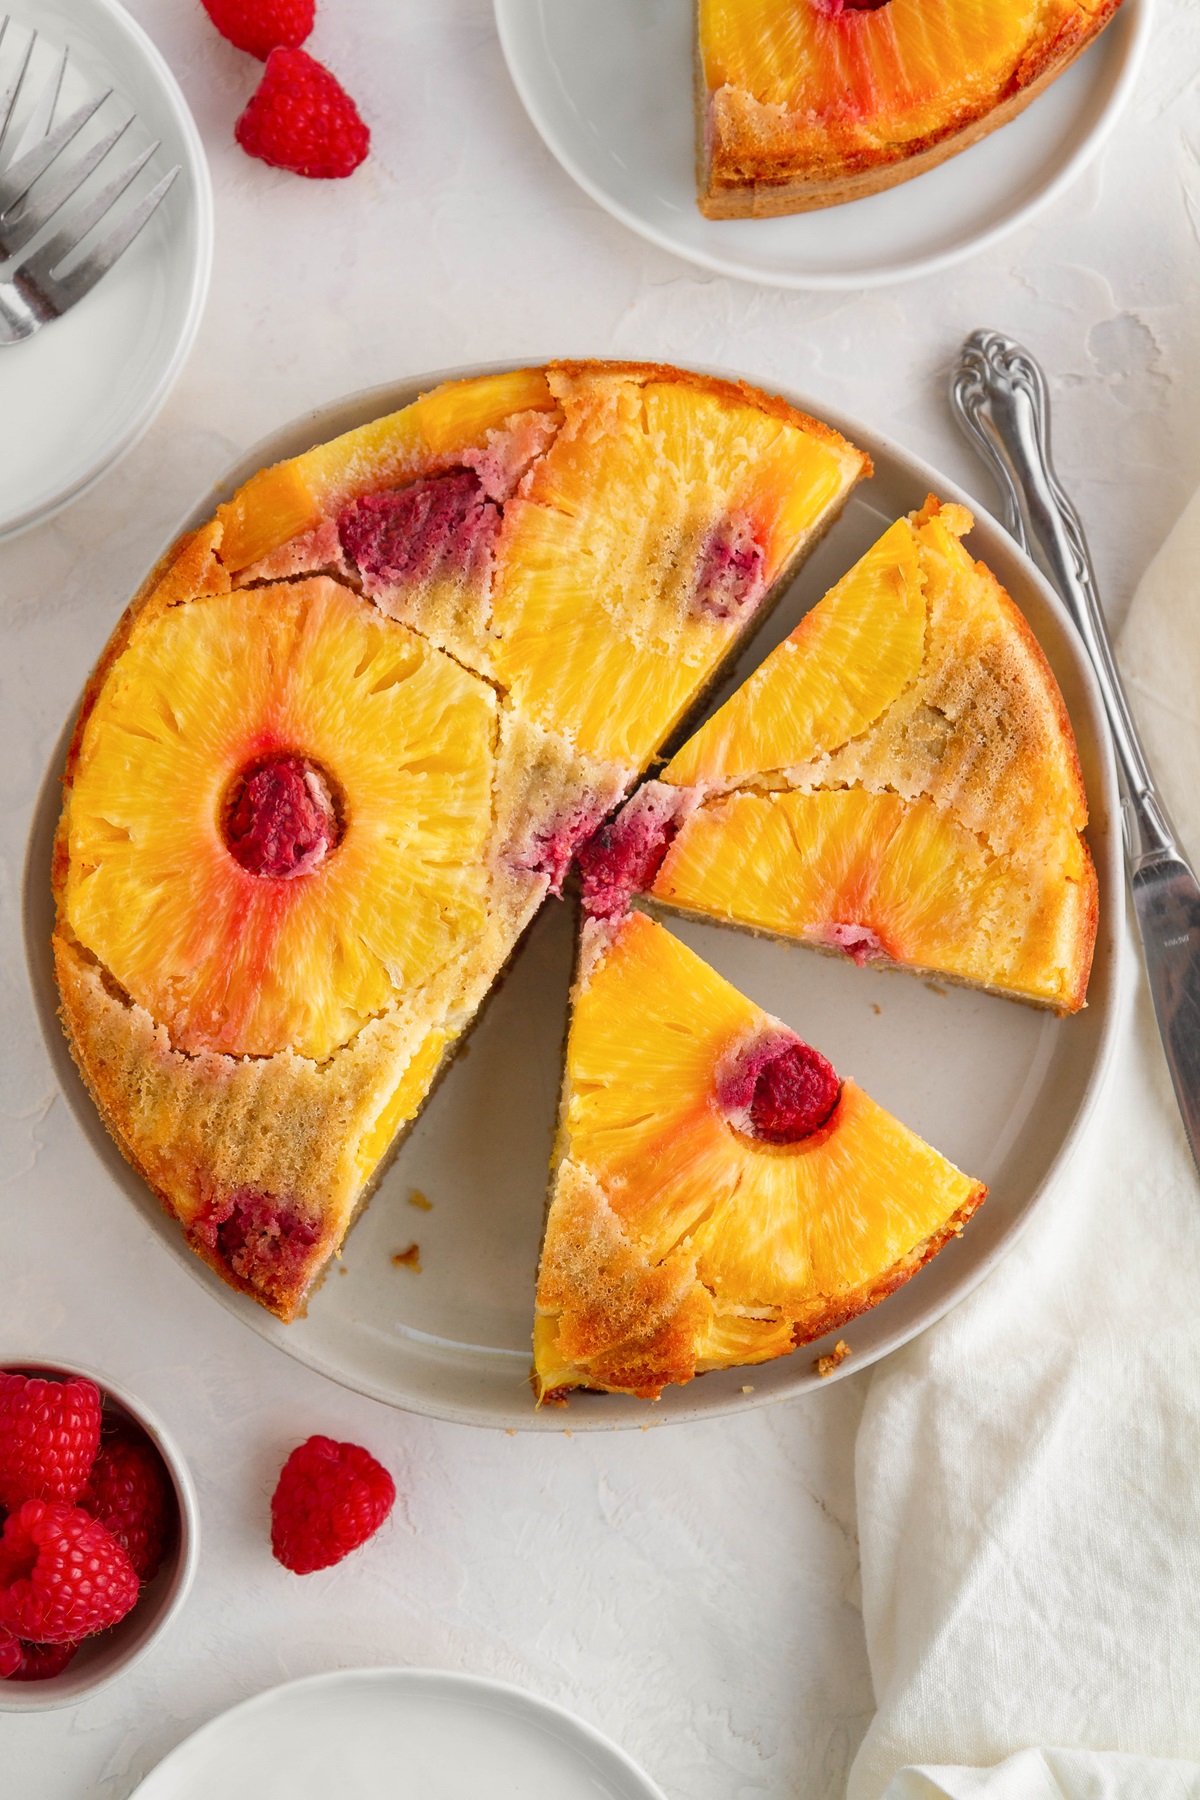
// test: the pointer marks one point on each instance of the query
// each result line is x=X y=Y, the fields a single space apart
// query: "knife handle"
x=999 y=396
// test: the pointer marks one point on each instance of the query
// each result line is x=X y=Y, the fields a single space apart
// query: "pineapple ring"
x=252 y=964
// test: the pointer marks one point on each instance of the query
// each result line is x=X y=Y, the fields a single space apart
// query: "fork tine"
x=64 y=291
x=93 y=210
x=42 y=116
x=8 y=97
x=57 y=186
x=19 y=177
x=114 y=244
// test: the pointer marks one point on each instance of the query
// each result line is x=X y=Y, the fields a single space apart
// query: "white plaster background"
x=691 y=1591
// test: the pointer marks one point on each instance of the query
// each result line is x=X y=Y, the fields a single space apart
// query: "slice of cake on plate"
x=348 y=737
x=807 y=103
x=719 y=1195
x=897 y=782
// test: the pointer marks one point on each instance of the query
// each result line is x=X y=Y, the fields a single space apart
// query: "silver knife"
x=999 y=396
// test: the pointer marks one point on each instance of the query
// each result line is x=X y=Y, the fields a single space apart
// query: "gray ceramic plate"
x=1001 y=1088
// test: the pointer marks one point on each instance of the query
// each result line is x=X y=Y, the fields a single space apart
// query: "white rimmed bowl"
x=111 y=1653
x=79 y=393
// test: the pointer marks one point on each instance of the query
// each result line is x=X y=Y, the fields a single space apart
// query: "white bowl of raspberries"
x=99 y=1533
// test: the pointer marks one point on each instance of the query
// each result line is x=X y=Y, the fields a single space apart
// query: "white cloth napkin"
x=1029 y=1469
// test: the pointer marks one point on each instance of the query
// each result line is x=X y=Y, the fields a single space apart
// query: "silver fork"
x=35 y=186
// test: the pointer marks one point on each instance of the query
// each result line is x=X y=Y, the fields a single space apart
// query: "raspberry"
x=260 y=26
x=49 y=1434
x=281 y=822
x=259 y=1237
x=33 y=1662
x=329 y=1499
x=780 y=1090
x=300 y=118
x=443 y=525
x=794 y=1095
x=730 y=581
x=62 y=1576
x=626 y=854
x=127 y=1493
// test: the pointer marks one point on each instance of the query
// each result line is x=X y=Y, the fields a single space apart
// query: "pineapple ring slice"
x=838 y=671
x=232 y=961
x=677 y=1242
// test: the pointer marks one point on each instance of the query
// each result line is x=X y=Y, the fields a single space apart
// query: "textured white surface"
x=691 y=1590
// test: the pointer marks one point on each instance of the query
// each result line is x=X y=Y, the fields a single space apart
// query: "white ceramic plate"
x=609 y=87
x=397 y=1734
x=80 y=392
x=1001 y=1088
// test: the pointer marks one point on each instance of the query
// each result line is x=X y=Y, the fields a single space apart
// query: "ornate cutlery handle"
x=999 y=395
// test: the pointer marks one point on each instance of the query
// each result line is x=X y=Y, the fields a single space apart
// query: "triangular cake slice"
x=346 y=740
x=897 y=781
x=719 y=1196
x=809 y=103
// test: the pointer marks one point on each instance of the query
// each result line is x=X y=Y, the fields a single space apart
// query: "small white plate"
x=1002 y=1089
x=80 y=392
x=397 y=1734
x=609 y=87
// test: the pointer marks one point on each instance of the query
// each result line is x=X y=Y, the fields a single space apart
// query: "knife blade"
x=999 y=397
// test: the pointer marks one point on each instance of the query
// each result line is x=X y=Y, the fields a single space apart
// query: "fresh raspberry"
x=49 y=1434
x=329 y=1499
x=128 y=1494
x=794 y=1095
x=62 y=1576
x=301 y=118
x=33 y=1662
x=281 y=820
x=260 y=26
x=780 y=1089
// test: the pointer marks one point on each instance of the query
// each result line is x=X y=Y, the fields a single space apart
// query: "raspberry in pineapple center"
x=281 y=820
x=780 y=1091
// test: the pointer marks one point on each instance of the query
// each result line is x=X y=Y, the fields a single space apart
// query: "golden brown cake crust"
x=749 y=167
x=627 y=1325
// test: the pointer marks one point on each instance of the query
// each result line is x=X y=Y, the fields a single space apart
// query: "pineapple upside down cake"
x=896 y=782
x=808 y=103
x=349 y=735
x=719 y=1196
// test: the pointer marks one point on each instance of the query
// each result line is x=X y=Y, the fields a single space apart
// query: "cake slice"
x=346 y=740
x=808 y=103
x=897 y=782
x=719 y=1195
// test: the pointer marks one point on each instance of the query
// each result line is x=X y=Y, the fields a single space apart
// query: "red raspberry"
x=62 y=1576
x=49 y=1434
x=33 y=1662
x=128 y=1494
x=261 y=26
x=329 y=1499
x=300 y=118
x=795 y=1093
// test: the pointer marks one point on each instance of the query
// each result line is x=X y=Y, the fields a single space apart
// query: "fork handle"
x=999 y=396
